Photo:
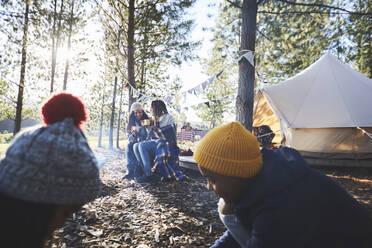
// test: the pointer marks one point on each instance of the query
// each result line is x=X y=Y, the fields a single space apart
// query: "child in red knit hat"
x=47 y=173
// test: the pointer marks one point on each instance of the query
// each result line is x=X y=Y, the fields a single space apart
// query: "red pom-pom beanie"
x=61 y=106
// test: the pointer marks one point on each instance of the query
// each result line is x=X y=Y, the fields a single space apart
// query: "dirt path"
x=128 y=214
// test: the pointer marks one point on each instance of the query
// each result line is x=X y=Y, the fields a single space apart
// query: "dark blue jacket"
x=292 y=205
x=134 y=122
x=142 y=133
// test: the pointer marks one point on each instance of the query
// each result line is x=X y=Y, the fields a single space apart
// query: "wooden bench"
x=188 y=162
x=190 y=135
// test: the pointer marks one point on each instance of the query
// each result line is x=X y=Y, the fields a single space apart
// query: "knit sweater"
x=165 y=120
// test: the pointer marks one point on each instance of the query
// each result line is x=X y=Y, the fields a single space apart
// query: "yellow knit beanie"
x=230 y=150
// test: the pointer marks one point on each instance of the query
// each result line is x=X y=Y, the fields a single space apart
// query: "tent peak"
x=328 y=93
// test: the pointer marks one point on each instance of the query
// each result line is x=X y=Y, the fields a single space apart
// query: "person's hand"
x=134 y=132
x=152 y=122
x=225 y=207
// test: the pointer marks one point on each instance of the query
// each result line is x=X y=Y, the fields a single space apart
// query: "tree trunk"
x=18 y=118
x=119 y=117
x=111 y=136
x=53 y=47
x=56 y=39
x=142 y=78
x=68 y=46
x=130 y=51
x=244 y=101
x=101 y=120
x=143 y=60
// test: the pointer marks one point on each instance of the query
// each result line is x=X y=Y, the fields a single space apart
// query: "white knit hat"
x=135 y=106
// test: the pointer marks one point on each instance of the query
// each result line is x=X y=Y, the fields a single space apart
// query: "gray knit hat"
x=50 y=164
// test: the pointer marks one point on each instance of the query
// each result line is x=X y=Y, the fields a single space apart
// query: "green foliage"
x=222 y=57
x=289 y=37
x=174 y=87
x=5 y=138
x=288 y=43
x=213 y=114
x=218 y=93
x=100 y=100
x=38 y=62
x=161 y=38
x=359 y=30
x=6 y=104
x=93 y=141
x=218 y=96
x=78 y=54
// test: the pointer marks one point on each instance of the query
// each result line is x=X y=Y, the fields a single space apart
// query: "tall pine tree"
x=146 y=37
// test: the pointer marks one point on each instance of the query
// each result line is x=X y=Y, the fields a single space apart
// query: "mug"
x=146 y=122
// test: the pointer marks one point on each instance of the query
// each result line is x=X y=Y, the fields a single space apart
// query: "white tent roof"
x=327 y=94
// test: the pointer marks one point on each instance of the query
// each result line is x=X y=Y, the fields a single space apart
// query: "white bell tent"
x=325 y=112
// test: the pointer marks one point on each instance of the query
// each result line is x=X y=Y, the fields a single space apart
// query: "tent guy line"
x=263 y=135
x=364 y=131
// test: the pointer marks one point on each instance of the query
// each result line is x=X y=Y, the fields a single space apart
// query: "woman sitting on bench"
x=166 y=141
x=136 y=133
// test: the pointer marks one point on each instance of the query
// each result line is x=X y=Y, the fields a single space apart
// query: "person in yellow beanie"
x=273 y=198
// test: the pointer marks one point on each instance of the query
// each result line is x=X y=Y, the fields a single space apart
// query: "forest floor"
x=172 y=214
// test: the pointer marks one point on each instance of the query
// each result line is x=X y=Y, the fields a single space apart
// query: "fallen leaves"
x=95 y=232
x=172 y=214
x=128 y=214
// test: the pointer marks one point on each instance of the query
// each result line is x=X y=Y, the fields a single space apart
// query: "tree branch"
x=9 y=99
x=106 y=13
x=122 y=3
x=16 y=15
x=234 y=4
x=149 y=8
x=119 y=12
x=300 y=12
x=10 y=81
x=264 y=35
x=325 y=6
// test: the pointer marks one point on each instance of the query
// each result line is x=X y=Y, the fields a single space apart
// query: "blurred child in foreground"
x=274 y=199
x=46 y=175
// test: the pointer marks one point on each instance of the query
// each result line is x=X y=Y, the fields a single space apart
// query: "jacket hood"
x=281 y=168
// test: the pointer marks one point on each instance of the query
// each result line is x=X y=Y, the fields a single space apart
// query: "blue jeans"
x=138 y=170
x=131 y=158
x=145 y=153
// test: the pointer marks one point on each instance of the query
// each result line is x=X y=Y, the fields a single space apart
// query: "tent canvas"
x=263 y=115
x=329 y=93
x=322 y=109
